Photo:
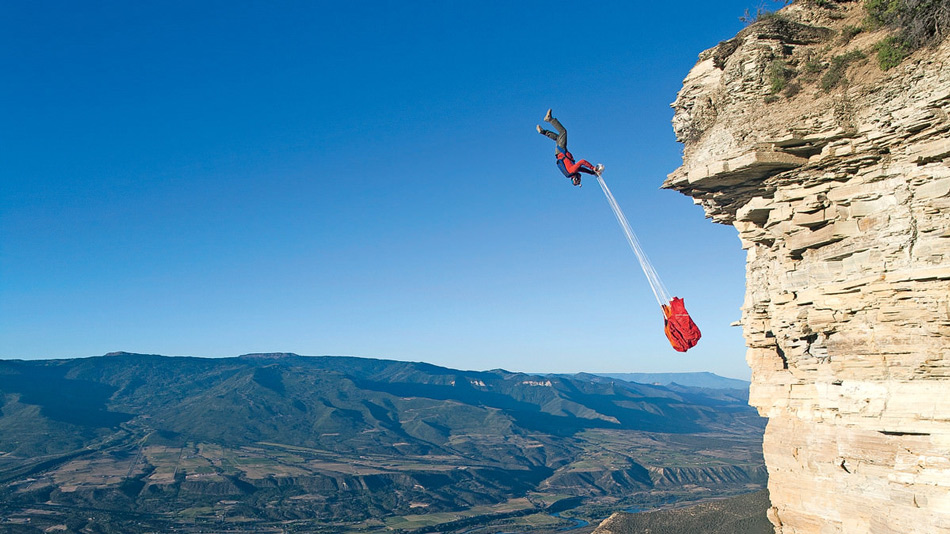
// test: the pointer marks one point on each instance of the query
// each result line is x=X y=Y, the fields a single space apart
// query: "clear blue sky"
x=354 y=178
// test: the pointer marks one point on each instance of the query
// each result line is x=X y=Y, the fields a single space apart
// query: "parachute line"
x=659 y=290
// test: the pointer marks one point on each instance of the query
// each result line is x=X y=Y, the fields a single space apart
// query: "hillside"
x=268 y=439
x=739 y=515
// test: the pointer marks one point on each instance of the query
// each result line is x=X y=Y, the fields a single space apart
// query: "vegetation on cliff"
x=916 y=23
x=912 y=24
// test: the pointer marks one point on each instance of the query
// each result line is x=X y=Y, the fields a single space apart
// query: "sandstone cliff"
x=841 y=198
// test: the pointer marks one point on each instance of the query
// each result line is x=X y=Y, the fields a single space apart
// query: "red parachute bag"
x=680 y=328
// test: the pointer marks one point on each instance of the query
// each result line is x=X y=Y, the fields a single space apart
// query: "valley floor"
x=129 y=486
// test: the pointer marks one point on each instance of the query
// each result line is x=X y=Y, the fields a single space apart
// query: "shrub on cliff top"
x=917 y=22
x=762 y=13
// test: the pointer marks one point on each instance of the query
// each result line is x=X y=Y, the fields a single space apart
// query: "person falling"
x=565 y=160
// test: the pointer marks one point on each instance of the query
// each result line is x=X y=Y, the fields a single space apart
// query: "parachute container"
x=680 y=328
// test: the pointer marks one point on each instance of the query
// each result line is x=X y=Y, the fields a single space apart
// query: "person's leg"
x=581 y=166
x=561 y=131
x=547 y=133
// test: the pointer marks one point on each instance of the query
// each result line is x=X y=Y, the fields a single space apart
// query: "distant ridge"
x=362 y=402
x=694 y=380
x=269 y=356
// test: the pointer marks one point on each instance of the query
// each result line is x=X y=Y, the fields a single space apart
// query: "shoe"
x=547 y=118
x=599 y=168
x=539 y=129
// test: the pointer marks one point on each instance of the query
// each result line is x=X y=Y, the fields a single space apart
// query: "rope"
x=659 y=290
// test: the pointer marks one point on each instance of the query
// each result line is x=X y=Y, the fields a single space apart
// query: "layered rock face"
x=841 y=197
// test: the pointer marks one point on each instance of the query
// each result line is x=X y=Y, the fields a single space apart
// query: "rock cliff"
x=836 y=176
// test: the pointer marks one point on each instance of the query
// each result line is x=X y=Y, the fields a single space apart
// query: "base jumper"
x=565 y=160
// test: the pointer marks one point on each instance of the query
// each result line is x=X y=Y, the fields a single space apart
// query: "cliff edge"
x=836 y=176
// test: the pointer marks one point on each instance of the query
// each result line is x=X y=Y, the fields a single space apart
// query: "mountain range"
x=695 y=380
x=342 y=443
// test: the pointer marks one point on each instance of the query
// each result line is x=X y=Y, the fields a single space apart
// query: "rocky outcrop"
x=841 y=198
